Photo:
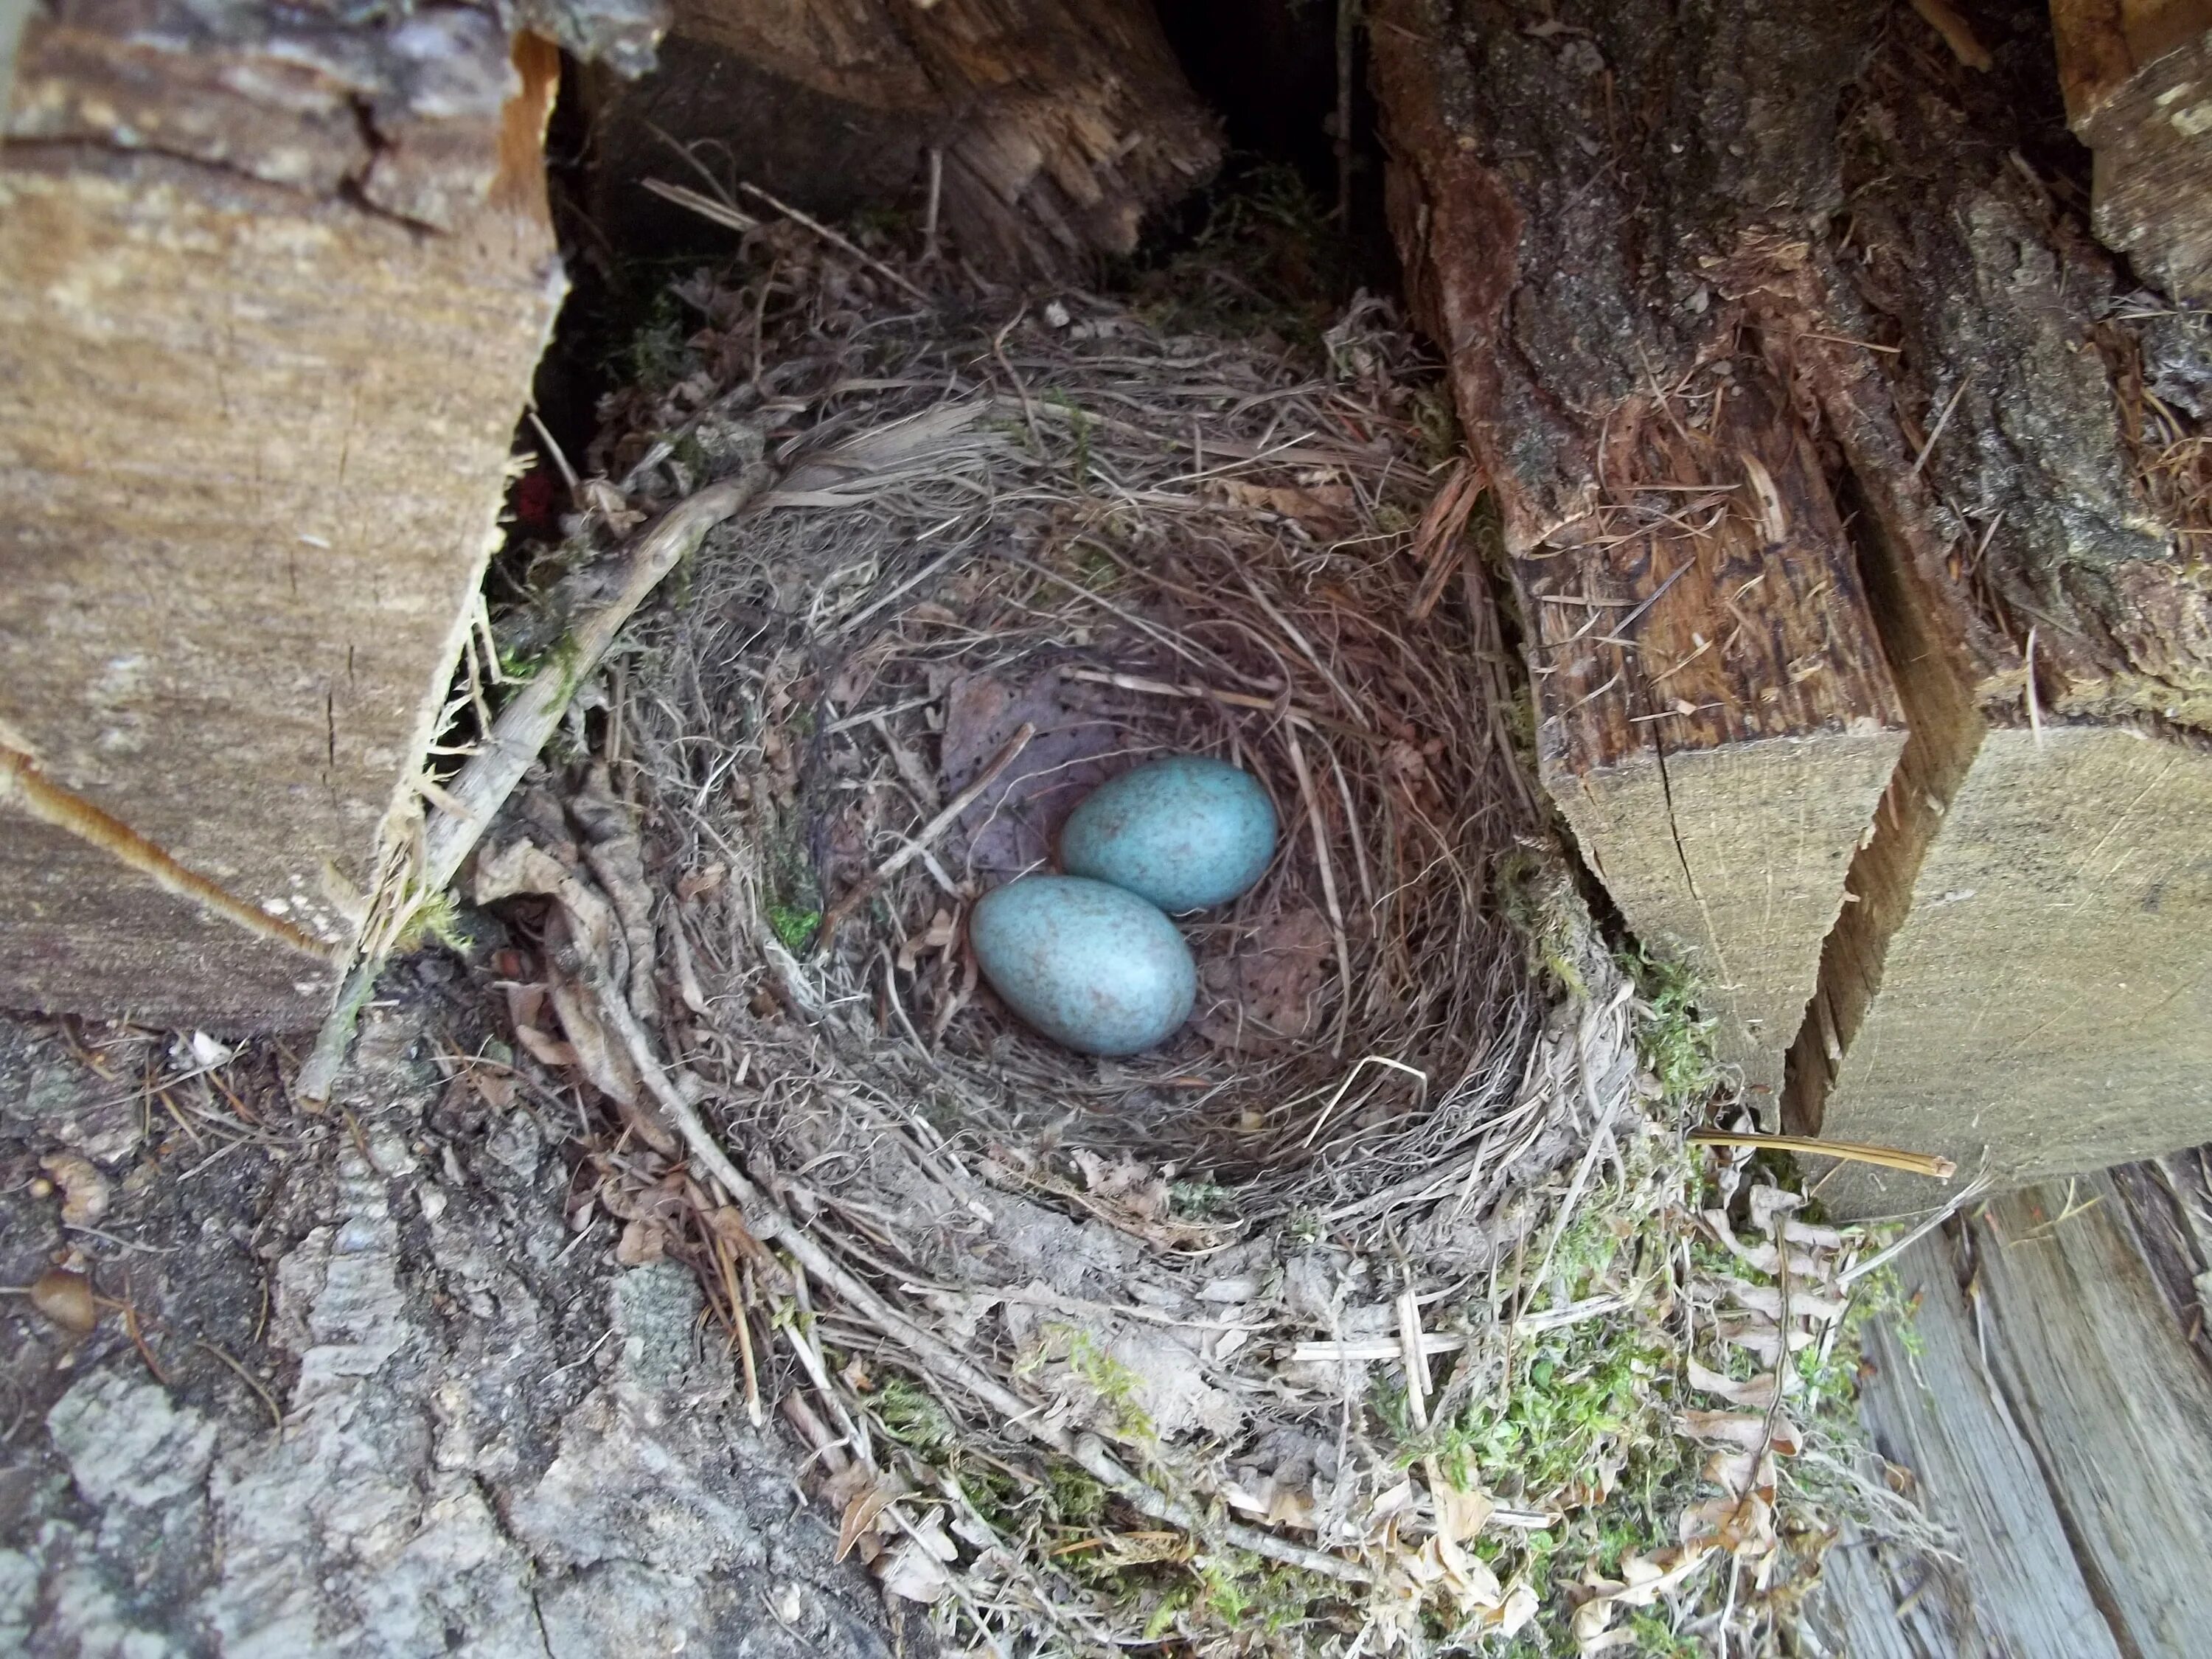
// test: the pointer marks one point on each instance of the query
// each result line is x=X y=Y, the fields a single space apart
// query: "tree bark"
x=1056 y=126
x=1645 y=234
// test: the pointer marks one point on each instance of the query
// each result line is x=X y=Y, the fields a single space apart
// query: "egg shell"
x=1089 y=965
x=1185 y=832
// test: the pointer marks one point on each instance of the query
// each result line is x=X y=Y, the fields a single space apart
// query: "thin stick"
x=1889 y=1157
x=936 y=195
x=1328 y=884
x=2034 y=707
x=930 y=831
x=706 y=207
x=829 y=235
x=531 y=717
x=534 y=713
x=1882 y=1259
x=1941 y=421
x=23 y=784
x=560 y=460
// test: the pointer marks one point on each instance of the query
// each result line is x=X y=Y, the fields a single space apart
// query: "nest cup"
x=1107 y=549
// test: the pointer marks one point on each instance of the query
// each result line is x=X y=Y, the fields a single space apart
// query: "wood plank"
x=1930 y=1407
x=2115 y=1401
x=2137 y=79
x=1714 y=714
x=255 y=397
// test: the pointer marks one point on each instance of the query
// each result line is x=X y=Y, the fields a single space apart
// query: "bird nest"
x=1180 y=1348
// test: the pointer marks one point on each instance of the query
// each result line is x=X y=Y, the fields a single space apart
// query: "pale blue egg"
x=1089 y=965
x=1184 y=832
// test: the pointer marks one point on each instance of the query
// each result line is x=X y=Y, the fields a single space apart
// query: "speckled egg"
x=1089 y=965
x=1184 y=832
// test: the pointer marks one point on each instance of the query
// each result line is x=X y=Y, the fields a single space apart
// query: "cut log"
x=1652 y=251
x=2137 y=76
x=2024 y=979
x=1056 y=125
x=1580 y=209
x=270 y=301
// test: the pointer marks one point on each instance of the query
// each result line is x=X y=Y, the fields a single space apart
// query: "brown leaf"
x=544 y=1049
x=66 y=1298
x=641 y=1242
x=84 y=1189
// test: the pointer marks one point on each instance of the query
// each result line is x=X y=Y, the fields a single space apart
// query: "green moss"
x=913 y=1419
x=794 y=927
x=1673 y=1036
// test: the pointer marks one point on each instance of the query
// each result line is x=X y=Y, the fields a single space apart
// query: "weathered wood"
x=1580 y=209
x=2025 y=971
x=1930 y=1406
x=2058 y=1416
x=1658 y=241
x=2138 y=77
x=1057 y=125
x=269 y=306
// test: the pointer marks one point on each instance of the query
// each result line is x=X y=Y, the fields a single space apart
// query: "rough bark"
x=495 y=1441
x=2137 y=76
x=1583 y=205
x=1058 y=126
x=271 y=288
x=1610 y=212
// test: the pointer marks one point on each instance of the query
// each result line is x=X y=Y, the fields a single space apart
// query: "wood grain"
x=2055 y=1413
x=1929 y=1406
x=1058 y=124
x=252 y=438
x=1714 y=715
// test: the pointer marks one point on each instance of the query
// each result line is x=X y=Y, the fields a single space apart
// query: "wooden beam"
x=1580 y=225
x=259 y=370
x=2137 y=79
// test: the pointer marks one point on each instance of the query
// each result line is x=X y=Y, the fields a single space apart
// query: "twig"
x=936 y=196
x=1328 y=884
x=831 y=236
x=706 y=207
x=1889 y=1157
x=534 y=713
x=928 y=833
x=1972 y=1190
x=275 y=1414
x=23 y=784
x=560 y=461
x=2034 y=707
x=1941 y=421
x=530 y=717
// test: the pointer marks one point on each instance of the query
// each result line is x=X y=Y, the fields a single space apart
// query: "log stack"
x=272 y=286
x=1859 y=555
x=1051 y=129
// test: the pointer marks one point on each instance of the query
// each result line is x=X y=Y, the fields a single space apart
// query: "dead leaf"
x=909 y=1572
x=546 y=1050
x=66 y=1298
x=641 y=1242
x=84 y=1189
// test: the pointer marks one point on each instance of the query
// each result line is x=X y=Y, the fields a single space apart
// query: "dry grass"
x=1367 y=1314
